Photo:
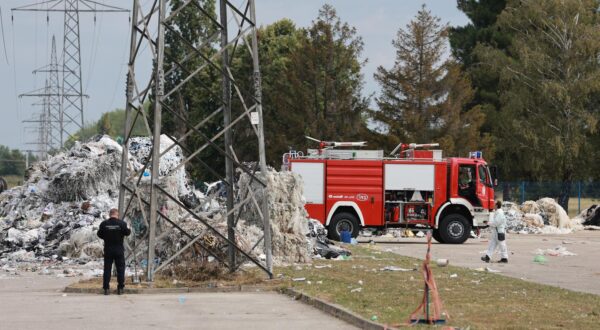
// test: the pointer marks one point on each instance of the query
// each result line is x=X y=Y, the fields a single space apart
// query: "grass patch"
x=163 y=281
x=477 y=299
x=585 y=203
x=13 y=180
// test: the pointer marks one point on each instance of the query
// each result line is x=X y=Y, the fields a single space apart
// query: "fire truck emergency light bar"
x=476 y=154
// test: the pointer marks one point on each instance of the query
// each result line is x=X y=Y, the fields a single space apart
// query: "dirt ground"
x=36 y=302
x=579 y=273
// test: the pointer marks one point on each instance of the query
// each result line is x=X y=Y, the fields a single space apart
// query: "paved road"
x=35 y=302
x=579 y=273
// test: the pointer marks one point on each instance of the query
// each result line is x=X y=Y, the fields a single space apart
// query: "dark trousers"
x=118 y=257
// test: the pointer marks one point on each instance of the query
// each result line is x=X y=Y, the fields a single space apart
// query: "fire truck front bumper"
x=481 y=218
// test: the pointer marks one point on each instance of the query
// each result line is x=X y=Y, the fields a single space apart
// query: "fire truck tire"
x=454 y=229
x=341 y=221
x=436 y=235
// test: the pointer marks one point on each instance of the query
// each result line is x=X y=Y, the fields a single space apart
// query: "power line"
x=72 y=86
x=3 y=38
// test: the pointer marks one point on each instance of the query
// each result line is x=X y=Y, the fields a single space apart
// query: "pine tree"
x=424 y=96
x=326 y=79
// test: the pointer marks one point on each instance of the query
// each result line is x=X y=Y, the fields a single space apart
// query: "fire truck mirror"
x=494 y=174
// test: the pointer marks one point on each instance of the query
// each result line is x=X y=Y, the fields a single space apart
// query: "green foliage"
x=423 y=96
x=110 y=123
x=12 y=162
x=311 y=84
x=327 y=81
x=482 y=30
x=549 y=79
x=200 y=97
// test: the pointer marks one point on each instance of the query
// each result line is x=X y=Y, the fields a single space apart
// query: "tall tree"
x=550 y=85
x=326 y=79
x=277 y=42
x=464 y=40
x=424 y=96
x=201 y=96
x=312 y=84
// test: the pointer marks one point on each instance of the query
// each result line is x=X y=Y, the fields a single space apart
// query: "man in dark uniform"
x=112 y=232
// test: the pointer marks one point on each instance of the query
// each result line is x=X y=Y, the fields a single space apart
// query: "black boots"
x=106 y=292
x=119 y=291
x=486 y=258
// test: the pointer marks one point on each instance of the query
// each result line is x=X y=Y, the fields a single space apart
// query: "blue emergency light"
x=475 y=154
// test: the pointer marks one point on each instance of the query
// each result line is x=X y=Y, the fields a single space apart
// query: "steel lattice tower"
x=71 y=114
x=54 y=99
x=159 y=16
x=42 y=128
x=49 y=119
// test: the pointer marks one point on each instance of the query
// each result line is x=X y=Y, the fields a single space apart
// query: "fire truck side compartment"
x=359 y=183
x=313 y=175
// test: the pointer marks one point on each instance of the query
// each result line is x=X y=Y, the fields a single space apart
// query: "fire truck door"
x=483 y=182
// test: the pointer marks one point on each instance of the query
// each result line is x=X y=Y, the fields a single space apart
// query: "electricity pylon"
x=72 y=114
x=235 y=26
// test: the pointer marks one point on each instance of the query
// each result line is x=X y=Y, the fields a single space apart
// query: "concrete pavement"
x=579 y=273
x=36 y=302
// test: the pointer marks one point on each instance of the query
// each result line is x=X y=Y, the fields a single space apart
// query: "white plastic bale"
x=288 y=218
x=557 y=216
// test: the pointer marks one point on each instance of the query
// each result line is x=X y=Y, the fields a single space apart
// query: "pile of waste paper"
x=544 y=216
x=55 y=214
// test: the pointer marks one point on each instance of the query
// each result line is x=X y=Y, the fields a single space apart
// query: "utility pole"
x=230 y=20
x=72 y=114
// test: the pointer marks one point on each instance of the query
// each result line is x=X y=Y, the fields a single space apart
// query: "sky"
x=105 y=42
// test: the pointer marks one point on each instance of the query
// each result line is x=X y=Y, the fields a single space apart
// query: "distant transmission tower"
x=42 y=129
x=50 y=120
x=72 y=118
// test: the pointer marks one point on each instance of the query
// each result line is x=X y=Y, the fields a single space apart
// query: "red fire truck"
x=349 y=189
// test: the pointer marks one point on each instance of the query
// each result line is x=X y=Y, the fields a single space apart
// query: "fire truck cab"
x=350 y=189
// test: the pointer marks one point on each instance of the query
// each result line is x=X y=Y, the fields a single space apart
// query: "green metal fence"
x=583 y=193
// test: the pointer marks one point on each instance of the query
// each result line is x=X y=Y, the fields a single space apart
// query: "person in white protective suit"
x=498 y=236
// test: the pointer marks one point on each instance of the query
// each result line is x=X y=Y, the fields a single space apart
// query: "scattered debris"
x=320 y=245
x=559 y=251
x=299 y=279
x=356 y=290
x=540 y=259
x=453 y=275
x=55 y=214
x=590 y=217
x=322 y=266
x=544 y=216
x=396 y=269
x=442 y=262
x=487 y=270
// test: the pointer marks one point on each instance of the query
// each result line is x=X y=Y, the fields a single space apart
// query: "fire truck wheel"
x=454 y=229
x=343 y=222
x=436 y=235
